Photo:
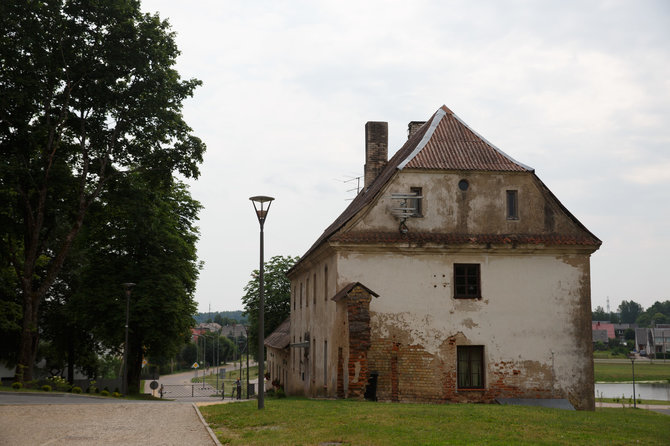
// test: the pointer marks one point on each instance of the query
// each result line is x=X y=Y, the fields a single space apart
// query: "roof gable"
x=448 y=143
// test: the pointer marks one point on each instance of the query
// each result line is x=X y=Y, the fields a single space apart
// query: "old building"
x=454 y=275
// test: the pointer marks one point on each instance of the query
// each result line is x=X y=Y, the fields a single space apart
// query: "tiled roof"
x=281 y=337
x=449 y=144
x=444 y=142
x=460 y=239
x=347 y=289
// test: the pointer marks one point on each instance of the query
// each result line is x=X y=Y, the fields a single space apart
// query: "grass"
x=621 y=371
x=297 y=421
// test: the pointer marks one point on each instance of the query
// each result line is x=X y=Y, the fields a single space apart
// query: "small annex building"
x=455 y=275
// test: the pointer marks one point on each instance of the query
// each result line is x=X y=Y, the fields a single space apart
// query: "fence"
x=171 y=391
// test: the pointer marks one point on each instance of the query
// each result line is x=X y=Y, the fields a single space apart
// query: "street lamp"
x=632 y=361
x=124 y=385
x=261 y=212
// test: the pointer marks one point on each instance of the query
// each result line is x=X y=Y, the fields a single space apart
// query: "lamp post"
x=124 y=385
x=632 y=361
x=261 y=212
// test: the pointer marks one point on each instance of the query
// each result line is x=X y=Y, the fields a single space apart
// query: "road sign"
x=195 y=365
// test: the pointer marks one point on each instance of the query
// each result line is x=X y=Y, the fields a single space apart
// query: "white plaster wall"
x=527 y=308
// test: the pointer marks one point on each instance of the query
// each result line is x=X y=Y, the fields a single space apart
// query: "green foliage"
x=277 y=297
x=46 y=388
x=88 y=93
x=658 y=313
x=104 y=393
x=76 y=389
x=17 y=385
x=302 y=421
x=629 y=311
x=116 y=395
x=59 y=383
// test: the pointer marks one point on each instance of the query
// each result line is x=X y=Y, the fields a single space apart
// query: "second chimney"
x=376 y=149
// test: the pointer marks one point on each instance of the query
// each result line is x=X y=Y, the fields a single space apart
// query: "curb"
x=204 y=423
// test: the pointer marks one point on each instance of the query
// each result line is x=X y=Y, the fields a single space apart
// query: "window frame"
x=417 y=203
x=512 y=204
x=469 y=364
x=472 y=271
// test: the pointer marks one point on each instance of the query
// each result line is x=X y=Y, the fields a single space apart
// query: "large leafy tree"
x=88 y=92
x=629 y=311
x=276 y=296
x=142 y=232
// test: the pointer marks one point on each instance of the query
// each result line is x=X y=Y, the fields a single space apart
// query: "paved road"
x=59 y=421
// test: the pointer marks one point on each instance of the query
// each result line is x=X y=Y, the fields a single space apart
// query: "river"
x=645 y=391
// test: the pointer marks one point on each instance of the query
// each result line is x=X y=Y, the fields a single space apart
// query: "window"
x=325 y=363
x=470 y=366
x=416 y=203
x=512 y=205
x=300 y=294
x=325 y=283
x=294 y=297
x=307 y=293
x=467 y=281
x=314 y=296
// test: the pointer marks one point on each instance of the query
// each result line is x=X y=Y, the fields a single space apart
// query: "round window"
x=463 y=185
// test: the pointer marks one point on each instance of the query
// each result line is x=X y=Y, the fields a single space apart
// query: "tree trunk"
x=29 y=338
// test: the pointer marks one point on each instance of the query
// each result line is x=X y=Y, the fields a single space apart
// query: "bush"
x=281 y=393
x=76 y=389
x=46 y=388
x=116 y=395
x=17 y=385
x=104 y=393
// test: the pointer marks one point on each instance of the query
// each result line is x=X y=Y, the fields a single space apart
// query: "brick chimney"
x=413 y=126
x=376 y=149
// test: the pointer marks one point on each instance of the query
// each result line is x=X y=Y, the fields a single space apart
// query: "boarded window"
x=470 y=366
x=416 y=203
x=467 y=281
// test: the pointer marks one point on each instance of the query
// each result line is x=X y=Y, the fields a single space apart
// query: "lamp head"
x=259 y=205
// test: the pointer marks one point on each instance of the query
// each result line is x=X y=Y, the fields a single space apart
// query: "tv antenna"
x=406 y=207
x=349 y=179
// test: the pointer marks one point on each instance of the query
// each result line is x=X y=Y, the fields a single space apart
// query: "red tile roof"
x=444 y=142
x=449 y=144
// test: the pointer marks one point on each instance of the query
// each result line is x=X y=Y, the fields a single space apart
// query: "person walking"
x=238 y=385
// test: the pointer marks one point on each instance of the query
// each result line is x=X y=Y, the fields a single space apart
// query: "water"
x=645 y=391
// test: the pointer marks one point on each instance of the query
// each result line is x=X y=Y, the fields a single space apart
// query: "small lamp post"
x=124 y=385
x=259 y=203
x=632 y=361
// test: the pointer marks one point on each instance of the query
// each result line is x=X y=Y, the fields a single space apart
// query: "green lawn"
x=297 y=421
x=621 y=371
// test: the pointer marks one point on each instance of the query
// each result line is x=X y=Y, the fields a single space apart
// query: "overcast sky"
x=578 y=90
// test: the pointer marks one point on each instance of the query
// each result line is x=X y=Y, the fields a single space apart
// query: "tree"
x=629 y=311
x=142 y=232
x=88 y=93
x=599 y=314
x=277 y=297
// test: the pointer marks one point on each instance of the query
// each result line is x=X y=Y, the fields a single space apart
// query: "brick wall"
x=408 y=373
x=358 y=313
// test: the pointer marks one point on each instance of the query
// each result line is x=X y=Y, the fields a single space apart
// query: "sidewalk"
x=104 y=424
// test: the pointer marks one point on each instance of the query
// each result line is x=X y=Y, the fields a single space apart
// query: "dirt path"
x=102 y=424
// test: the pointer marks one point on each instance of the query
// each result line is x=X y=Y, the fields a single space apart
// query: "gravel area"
x=98 y=424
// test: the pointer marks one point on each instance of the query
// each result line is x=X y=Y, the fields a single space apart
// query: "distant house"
x=277 y=344
x=454 y=275
x=234 y=331
x=606 y=326
x=653 y=340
